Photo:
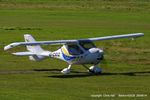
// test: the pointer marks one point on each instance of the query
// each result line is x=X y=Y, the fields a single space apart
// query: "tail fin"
x=34 y=49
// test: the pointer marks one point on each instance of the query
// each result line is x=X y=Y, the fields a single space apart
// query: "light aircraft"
x=82 y=51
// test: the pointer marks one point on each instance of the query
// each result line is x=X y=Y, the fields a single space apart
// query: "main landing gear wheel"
x=66 y=70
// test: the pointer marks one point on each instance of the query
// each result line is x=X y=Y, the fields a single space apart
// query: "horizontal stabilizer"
x=24 y=53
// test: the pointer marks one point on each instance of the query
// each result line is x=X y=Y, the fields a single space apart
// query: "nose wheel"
x=94 y=69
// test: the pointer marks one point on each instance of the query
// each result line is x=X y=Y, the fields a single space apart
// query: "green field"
x=126 y=67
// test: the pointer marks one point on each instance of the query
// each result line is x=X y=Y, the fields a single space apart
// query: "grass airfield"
x=126 y=67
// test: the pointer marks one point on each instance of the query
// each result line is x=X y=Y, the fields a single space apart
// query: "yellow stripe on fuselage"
x=65 y=51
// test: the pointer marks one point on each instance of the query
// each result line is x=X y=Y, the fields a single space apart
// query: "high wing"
x=117 y=36
x=71 y=41
x=39 y=43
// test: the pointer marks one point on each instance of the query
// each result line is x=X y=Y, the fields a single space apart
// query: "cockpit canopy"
x=77 y=49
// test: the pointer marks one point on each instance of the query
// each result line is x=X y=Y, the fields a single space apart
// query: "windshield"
x=87 y=45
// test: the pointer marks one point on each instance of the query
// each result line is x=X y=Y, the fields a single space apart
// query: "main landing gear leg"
x=66 y=70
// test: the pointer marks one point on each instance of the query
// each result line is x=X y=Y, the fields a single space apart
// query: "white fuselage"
x=91 y=56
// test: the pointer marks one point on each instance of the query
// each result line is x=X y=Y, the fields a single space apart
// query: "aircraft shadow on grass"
x=87 y=74
x=78 y=74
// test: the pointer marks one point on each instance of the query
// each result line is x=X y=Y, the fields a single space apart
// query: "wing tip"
x=11 y=46
x=7 y=47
